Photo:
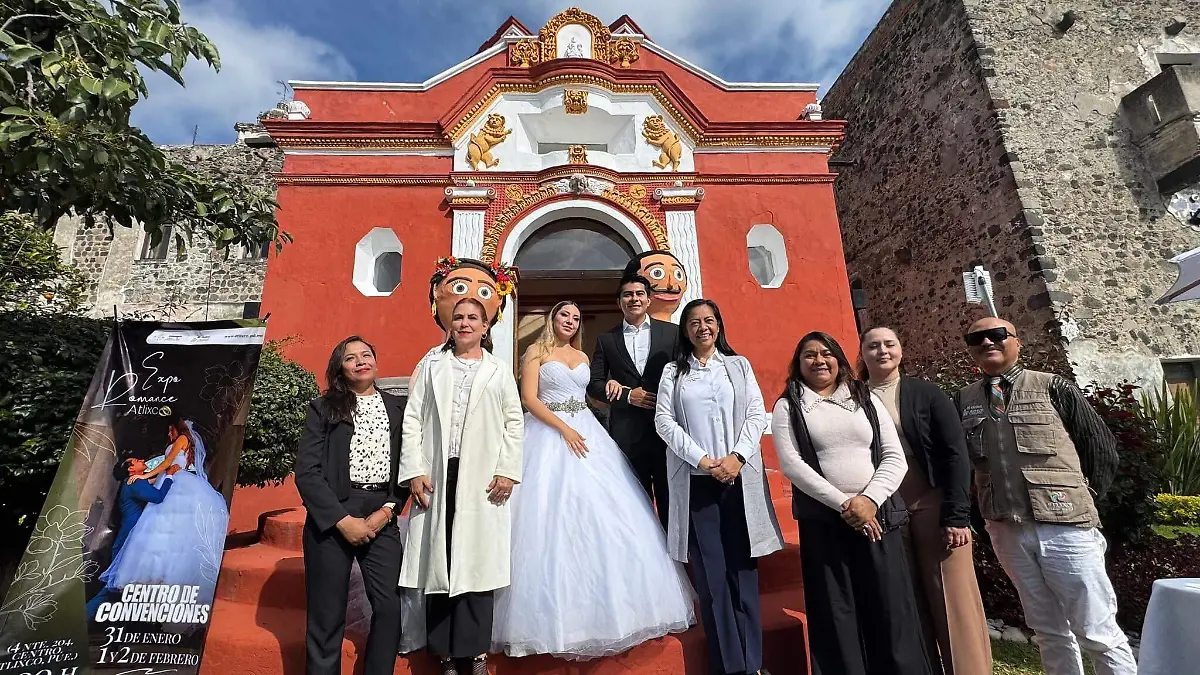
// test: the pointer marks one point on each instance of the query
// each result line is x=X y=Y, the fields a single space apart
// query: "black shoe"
x=479 y=665
x=449 y=667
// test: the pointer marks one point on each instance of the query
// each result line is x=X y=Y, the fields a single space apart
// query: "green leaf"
x=15 y=111
x=91 y=84
x=112 y=88
x=227 y=235
x=43 y=161
x=19 y=54
x=100 y=157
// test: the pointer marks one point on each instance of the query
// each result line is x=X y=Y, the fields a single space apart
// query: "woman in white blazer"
x=710 y=413
x=461 y=455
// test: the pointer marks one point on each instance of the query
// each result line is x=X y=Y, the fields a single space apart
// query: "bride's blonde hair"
x=547 y=341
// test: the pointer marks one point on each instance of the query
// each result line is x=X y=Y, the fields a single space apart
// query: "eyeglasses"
x=994 y=335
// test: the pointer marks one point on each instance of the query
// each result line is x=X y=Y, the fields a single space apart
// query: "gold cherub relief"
x=479 y=150
x=656 y=133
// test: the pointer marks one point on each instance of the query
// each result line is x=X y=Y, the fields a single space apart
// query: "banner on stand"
x=120 y=572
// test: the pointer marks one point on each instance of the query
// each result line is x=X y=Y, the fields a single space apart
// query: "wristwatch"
x=739 y=457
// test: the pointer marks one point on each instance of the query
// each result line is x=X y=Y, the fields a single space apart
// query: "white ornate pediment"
x=629 y=132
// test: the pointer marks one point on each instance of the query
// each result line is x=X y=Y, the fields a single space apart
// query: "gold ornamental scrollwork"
x=658 y=234
x=525 y=53
x=496 y=229
x=514 y=192
x=492 y=232
x=601 y=35
x=577 y=154
x=479 y=150
x=637 y=191
x=575 y=101
x=624 y=52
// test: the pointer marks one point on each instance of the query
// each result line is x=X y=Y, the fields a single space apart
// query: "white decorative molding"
x=731 y=86
x=579 y=184
x=503 y=334
x=466 y=241
x=681 y=232
x=693 y=193
x=297 y=110
x=502 y=46
x=753 y=149
x=812 y=112
x=498 y=48
x=375 y=243
x=483 y=195
x=378 y=152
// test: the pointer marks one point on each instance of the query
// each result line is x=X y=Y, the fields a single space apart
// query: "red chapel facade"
x=564 y=151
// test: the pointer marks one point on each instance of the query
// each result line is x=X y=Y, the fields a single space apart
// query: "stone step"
x=273 y=577
x=283 y=529
x=268 y=640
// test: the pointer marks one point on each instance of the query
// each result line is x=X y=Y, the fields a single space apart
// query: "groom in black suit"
x=626 y=367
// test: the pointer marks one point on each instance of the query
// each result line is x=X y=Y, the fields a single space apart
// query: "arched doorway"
x=578 y=259
x=573 y=249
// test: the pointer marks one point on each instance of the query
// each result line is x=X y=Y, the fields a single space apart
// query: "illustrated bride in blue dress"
x=180 y=540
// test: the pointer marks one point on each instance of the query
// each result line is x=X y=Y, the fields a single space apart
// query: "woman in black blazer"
x=936 y=490
x=346 y=467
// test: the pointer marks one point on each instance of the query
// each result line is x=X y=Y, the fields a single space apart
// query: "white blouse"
x=464 y=376
x=371 y=444
x=841 y=436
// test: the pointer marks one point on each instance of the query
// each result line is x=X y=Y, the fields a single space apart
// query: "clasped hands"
x=725 y=470
x=859 y=512
x=358 y=531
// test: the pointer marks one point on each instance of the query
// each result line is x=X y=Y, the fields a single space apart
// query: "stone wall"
x=202 y=284
x=924 y=188
x=1105 y=234
x=981 y=131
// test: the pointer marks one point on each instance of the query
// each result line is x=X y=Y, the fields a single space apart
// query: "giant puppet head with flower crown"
x=457 y=278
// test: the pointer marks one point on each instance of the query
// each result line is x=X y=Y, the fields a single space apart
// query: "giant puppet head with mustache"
x=668 y=281
x=457 y=278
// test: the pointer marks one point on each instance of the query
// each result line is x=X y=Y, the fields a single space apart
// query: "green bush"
x=1127 y=509
x=277 y=409
x=1180 y=510
x=1176 y=417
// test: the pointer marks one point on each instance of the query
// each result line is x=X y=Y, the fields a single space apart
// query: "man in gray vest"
x=1040 y=453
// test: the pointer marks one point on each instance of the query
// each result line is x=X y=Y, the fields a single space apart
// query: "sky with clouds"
x=266 y=42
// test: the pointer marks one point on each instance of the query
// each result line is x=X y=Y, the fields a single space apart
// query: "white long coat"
x=491 y=446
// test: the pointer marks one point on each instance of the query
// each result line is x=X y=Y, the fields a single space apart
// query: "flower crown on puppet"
x=506 y=277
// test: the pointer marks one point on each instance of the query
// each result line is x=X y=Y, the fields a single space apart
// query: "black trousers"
x=458 y=626
x=327 y=563
x=862 y=615
x=650 y=467
x=725 y=576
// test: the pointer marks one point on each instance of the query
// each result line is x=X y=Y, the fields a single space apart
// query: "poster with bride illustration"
x=121 y=569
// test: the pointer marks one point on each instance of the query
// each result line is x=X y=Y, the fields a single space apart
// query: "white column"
x=503 y=336
x=681 y=232
x=467 y=238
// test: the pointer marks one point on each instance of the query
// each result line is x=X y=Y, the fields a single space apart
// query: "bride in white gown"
x=590 y=571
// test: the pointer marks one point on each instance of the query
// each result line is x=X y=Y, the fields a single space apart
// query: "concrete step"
x=268 y=640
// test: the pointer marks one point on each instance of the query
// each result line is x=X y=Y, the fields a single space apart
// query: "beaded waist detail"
x=571 y=405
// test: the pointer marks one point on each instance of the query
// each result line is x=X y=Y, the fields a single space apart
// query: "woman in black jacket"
x=346 y=467
x=936 y=490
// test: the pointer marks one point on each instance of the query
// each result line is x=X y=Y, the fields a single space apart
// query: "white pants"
x=1069 y=602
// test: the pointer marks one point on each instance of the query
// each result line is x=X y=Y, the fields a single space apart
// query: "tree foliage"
x=70 y=73
x=33 y=276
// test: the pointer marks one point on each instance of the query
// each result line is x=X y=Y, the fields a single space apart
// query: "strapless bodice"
x=558 y=384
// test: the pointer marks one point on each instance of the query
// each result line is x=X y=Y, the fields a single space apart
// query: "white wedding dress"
x=590 y=571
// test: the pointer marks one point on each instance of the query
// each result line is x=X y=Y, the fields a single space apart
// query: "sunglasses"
x=995 y=335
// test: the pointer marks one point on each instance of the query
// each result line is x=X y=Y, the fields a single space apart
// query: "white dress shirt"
x=706 y=395
x=637 y=342
x=464 y=377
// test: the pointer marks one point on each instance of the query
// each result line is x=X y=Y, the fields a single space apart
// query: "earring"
x=433 y=309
